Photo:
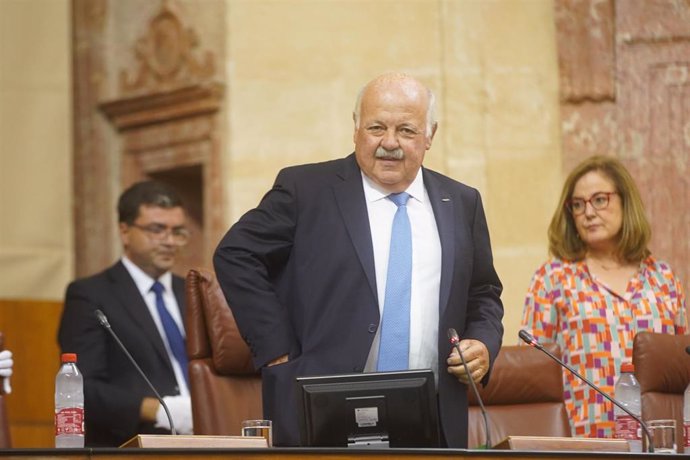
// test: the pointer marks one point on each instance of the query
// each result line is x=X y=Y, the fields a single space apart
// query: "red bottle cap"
x=628 y=367
x=69 y=357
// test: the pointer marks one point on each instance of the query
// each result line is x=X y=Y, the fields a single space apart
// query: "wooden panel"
x=30 y=329
x=563 y=444
x=181 y=441
x=316 y=454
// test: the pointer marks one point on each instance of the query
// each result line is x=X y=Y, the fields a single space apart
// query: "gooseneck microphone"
x=103 y=320
x=530 y=340
x=455 y=341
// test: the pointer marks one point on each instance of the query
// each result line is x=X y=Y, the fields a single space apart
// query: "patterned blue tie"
x=394 y=347
x=172 y=332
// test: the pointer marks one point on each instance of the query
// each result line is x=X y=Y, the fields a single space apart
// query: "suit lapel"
x=133 y=304
x=443 y=206
x=349 y=195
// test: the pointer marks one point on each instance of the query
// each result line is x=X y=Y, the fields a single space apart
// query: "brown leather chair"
x=5 y=439
x=524 y=397
x=225 y=389
x=663 y=369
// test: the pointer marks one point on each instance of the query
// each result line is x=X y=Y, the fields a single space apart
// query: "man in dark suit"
x=307 y=273
x=144 y=303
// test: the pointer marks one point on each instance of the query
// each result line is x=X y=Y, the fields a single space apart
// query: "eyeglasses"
x=598 y=201
x=157 y=232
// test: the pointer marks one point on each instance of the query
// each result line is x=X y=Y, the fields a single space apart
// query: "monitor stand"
x=368 y=442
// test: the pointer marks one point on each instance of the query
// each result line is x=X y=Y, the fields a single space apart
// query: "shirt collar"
x=143 y=280
x=374 y=192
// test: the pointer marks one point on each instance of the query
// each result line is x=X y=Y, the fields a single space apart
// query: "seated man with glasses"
x=144 y=303
x=600 y=287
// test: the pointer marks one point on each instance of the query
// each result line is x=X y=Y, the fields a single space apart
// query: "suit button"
x=372 y=328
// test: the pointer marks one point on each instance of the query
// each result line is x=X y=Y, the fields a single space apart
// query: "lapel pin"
x=445 y=199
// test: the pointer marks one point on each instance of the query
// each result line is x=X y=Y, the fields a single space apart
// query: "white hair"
x=430 y=110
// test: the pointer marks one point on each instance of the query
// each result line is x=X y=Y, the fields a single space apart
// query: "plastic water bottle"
x=627 y=392
x=686 y=418
x=69 y=404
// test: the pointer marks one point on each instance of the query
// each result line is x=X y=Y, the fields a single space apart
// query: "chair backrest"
x=524 y=397
x=663 y=369
x=225 y=389
x=5 y=439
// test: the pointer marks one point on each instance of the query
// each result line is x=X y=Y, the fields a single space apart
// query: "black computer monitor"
x=381 y=409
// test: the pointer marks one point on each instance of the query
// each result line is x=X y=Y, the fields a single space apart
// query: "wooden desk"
x=309 y=454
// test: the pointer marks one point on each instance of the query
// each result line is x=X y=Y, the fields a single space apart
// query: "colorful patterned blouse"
x=595 y=328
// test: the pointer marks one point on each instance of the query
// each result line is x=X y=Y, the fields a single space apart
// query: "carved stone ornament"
x=165 y=56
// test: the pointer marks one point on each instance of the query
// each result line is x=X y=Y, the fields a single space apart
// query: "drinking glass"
x=258 y=428
x=663 y=434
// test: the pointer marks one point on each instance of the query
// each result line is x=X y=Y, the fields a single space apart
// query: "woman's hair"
x=635 y=233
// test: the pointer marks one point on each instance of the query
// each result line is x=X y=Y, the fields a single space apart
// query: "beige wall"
x=35 y=149
x=292 y=70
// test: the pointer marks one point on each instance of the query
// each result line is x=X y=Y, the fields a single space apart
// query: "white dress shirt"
x=426 y=268
x=144 y=283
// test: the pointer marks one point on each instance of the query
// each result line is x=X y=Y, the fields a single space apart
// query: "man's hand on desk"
x=180 y=410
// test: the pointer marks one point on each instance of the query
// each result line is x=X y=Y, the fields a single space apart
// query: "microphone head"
x=453 y=336
x=101 y=318
x=527 y=337
x=687 y=349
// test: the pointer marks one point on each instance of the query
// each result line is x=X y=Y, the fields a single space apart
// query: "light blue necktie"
x=394 y=348
x=175 y=339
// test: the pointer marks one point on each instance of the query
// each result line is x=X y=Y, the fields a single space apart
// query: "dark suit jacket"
x=298 y=272
x=113 y=389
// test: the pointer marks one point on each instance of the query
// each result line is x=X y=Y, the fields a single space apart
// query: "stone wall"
x=289 y=72
x=36 y=246
x=625 y=91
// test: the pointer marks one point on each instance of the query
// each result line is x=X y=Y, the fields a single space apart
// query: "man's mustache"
x=383 y=154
